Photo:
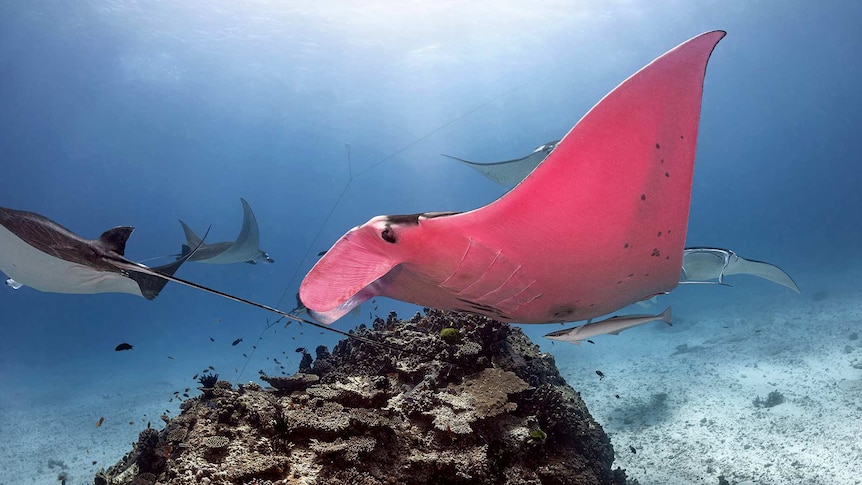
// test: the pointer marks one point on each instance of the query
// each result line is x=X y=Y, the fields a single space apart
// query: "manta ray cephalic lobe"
x=598 y=225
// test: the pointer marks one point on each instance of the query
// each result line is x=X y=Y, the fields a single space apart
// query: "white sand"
x=691 y=417
x=46 y=433
x=705 y=426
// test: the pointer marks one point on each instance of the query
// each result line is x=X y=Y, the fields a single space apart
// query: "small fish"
x=94 y=462
x=613 y=326
x=170 y=357
x=321 y=253
x=633 y=450
x=194 y=377
x=100 y=421
x=301 y=349
x=210 y=367
x=617 y=396
x=211 y=405
x=244 y=355
x=276 y=361
x=212 y=339
x=236 y=342
x=590 y=341
x=123 y=346
x=600 y=374
x=13 y=284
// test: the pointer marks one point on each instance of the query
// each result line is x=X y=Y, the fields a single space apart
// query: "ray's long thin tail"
x=397 y=348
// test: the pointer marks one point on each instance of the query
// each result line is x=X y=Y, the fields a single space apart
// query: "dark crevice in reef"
x=492 y=410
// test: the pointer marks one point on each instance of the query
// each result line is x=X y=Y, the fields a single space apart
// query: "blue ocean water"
x=323 y=116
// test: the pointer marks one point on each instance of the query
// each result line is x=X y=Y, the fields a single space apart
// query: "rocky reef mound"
x=491 y=409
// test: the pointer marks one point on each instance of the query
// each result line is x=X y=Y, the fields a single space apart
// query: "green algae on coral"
x=450 y=335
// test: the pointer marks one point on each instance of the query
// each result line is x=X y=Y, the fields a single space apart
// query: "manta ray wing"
x=510 y=172
x=151 y=285
x=703 y=265
x=243 y=250
x=600 y=224
x=740 y=265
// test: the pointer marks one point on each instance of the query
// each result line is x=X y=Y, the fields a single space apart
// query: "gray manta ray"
x=510 y=172
x=37 y=252
x=243 y=250
x=711 y=265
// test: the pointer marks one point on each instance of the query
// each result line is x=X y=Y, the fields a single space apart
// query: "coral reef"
x=773 y=399
x=208 y=380
x=492 y=409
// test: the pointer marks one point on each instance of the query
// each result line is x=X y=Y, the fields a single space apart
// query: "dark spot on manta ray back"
x=643 y=196
x=659 y=234
x=626 y=246
x=655 y=252
x=562 y=311
x=657 y=145
x=666 y=174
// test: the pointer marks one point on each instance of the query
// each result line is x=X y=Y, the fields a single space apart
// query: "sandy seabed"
x=677 y=402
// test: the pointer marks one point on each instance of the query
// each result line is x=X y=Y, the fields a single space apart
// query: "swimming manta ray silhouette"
x=598 y=225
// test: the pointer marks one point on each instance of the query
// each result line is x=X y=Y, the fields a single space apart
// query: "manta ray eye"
x=388 y=235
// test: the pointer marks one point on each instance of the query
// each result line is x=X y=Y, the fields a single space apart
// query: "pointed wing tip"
x=667 y=316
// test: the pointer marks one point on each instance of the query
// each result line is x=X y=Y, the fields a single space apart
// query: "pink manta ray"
x=598 y=225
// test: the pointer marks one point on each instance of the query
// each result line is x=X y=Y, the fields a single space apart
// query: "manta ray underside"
x=598 y=225
x=37 y=252
x=243 y=250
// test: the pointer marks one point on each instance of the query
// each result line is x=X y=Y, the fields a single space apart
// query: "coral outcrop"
x=491 y=409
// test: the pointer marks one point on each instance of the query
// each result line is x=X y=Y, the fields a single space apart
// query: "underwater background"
x=323 y=116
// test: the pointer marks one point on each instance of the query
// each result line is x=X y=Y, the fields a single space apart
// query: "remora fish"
x=613 y=326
